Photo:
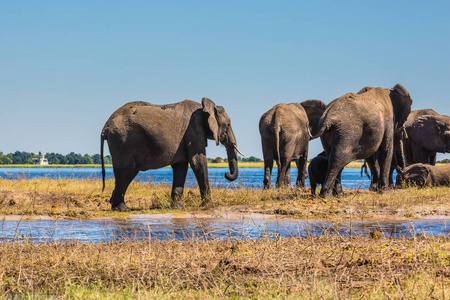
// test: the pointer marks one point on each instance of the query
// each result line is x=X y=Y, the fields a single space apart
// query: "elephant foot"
x=177 y=205
x=120 y=207
x=208 y=204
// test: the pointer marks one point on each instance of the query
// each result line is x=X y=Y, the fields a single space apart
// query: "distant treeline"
x=243 y=159
x=24 y=158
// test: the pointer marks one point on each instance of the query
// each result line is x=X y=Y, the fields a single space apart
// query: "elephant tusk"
x=235 y=147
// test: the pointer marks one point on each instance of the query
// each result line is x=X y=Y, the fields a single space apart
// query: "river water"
x=248 y=177
x=166 y=227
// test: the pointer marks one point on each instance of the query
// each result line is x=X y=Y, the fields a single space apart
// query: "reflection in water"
x=136 y=229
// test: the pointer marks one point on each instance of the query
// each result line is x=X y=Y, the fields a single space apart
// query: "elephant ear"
x=210 y=107
x=401 y=103
x=365 y=89
x=401 y=90
x=314 y=110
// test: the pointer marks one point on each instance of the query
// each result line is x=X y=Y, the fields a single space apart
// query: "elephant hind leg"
x=268 y=166
x=337 y=161
x=123 y=179
x=284 y=172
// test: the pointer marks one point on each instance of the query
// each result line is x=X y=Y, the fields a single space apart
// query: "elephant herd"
x=375 y=124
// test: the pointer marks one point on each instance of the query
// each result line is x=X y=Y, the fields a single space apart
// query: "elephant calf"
x=317 y=171
x=422 y=175
x=143 y=136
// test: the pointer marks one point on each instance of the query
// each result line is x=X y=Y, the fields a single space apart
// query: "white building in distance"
x=41 y=161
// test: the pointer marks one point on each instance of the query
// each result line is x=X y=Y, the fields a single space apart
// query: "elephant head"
x=219 y=129
x=401 y=103
x=432 y=132
x=414 y=175
x=314 y=110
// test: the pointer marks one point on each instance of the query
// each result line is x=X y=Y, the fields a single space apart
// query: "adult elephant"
x=285 y=136
x=356 y=126
x=143 y=136
x=424 y=133
x=427 y=133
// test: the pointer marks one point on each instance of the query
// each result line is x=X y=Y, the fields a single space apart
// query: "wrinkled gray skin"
x=285 y=136
x=422 y=175
x=355 y=126
x=427 y=134
x=317 y=171
x=143 y=136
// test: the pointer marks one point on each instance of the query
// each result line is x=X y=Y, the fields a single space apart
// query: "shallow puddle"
x=188 y=227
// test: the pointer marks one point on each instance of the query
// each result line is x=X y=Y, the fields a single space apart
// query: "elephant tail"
x=364 y=169
x=277 y=129
x=322 y=127
x=102 y=142
x=277 y=144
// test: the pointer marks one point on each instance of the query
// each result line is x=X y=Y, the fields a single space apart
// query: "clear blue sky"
x=65 y=66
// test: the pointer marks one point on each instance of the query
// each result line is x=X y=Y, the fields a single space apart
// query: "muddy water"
x=170 y=226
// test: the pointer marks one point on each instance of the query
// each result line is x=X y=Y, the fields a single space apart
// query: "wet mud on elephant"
x=143 y=136
x=285 y=134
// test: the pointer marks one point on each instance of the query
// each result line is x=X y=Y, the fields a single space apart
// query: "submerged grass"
x=68 y=198
x=325 y=267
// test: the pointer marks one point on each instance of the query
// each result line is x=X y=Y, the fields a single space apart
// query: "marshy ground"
x=312 y=267
x=84 y=199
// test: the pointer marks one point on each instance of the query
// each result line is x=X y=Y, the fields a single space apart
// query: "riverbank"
x=313 y=267
x=84 y=199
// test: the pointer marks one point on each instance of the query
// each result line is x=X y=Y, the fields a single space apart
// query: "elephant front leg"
x=200 y=167
x=385 y=160
x=179 y=178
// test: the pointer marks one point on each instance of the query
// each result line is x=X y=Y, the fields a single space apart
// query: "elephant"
x=422 y=175
x=426 y=135
x=317 y=171
x=356 y=126
x=285 y=134
x=143 y=136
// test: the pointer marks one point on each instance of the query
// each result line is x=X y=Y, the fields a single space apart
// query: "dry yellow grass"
x=326 y=267
x=84 y=199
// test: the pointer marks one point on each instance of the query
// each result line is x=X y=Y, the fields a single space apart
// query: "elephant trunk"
x=232 y=157
x=401 y=136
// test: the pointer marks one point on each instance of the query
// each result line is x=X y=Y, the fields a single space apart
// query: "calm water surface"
x=163 y=228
